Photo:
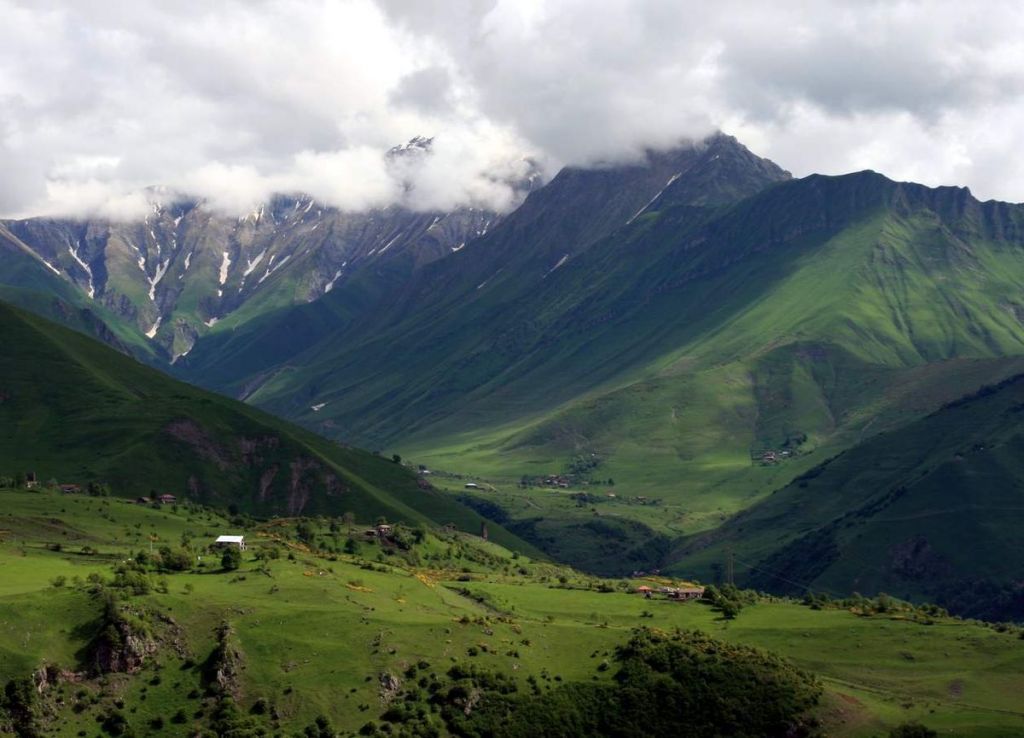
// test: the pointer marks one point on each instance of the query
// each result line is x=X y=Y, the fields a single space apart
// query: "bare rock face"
x=917 y=560
x=390 y=686
x=122 y=645
x=192 y=434
x=222 y=671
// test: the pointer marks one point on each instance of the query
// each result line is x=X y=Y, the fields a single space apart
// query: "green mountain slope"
x=77 y=411
x=932 y=510
x=800 y=318
x=475 y=318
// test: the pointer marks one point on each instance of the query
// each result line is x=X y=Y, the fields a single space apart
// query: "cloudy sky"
x=234 y=100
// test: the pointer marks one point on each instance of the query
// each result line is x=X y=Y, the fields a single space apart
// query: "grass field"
x=316 y=631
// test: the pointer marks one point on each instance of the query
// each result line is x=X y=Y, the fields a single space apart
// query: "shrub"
x=714 y=689
x=175 y=560
x=231 y=559
x=912 y=730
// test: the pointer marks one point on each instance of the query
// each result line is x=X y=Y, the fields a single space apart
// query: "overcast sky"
x=234 y=100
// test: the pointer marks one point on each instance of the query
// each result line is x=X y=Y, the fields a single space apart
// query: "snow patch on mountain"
x=650 y=202
x=74 y=255
x=388 y=244
x=561 y=261
x=271 y=267
x=250 y=266
x=151 y=333
x=161 y=270
x=225 y=264
x=330 y=285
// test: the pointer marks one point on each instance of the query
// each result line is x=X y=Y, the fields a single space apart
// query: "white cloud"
x=235 y=100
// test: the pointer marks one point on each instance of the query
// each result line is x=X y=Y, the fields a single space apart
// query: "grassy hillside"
x=557 y=222
x=931 y=510
x=802 y=320
x=884 y=277
x=76 y=411
x=303 y=630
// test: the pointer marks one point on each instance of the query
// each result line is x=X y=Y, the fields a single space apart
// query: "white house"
x=231 y=541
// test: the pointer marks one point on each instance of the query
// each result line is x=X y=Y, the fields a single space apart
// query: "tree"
x=20 y=698
x=98 y=489
x=912 y=730
x=231 y=559
x=305 y=532
x=396 y=458
x=320 y=729
x=174 y=560
x=729 y=609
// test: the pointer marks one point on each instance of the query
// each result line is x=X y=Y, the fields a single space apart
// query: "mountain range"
x=173 y=275
x=699 y=327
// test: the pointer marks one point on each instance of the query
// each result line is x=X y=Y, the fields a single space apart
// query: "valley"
x=501 y=369
x=678 y=339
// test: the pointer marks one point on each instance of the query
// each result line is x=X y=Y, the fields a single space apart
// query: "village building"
x=687 y=593
x=70 y=489
x=472 y=485
x=228 y=541
x=383 y=530
x=142 y=501
x=167 y=499
x=30 y=480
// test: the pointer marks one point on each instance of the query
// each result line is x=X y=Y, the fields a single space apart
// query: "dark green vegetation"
x=323 y=630
x=77 y=412
x=680 y=684
x=930 y=511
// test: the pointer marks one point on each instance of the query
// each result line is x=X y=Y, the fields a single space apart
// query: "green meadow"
x=316 y=627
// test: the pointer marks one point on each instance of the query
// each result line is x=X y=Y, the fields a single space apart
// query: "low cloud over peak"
x=235 y=101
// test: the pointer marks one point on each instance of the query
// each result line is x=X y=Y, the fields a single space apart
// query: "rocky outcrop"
x=191 y=433
x=390 y=687
x=222 y=671
x=123 y=643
